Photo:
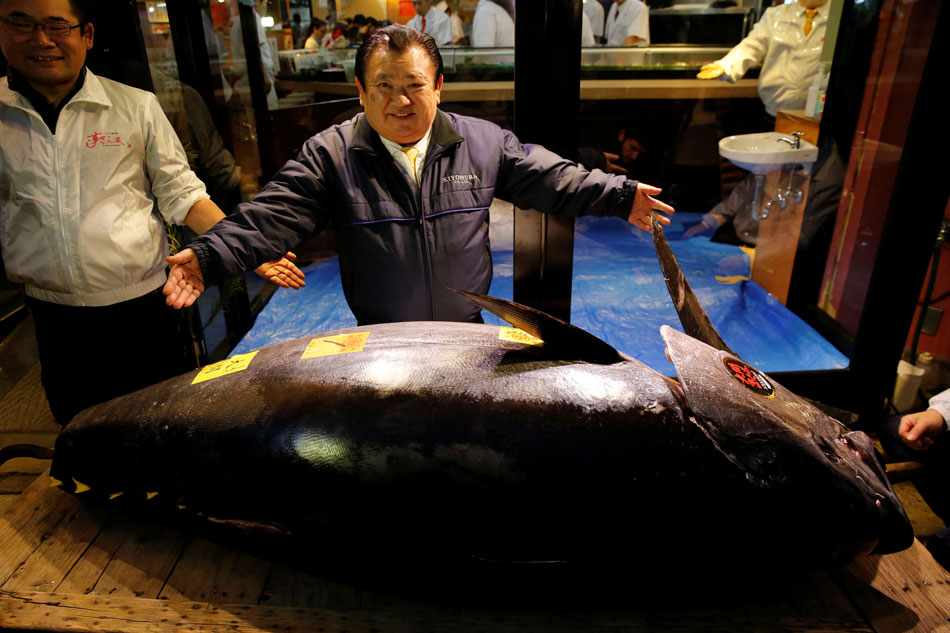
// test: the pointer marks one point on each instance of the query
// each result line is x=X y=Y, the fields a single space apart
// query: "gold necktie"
x=809 y=14
x=411 y=154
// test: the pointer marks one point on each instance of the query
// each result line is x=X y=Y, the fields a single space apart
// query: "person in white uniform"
x=492 y=26
x=458 y=29
x=628 y=24
x=90 y=170
x=595 y=13
x=432 y=21
x=787 y=42
x=587 y=33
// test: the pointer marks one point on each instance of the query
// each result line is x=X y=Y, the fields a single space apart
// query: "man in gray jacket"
x=407 y=188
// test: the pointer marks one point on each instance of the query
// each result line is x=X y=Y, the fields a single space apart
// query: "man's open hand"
x=282 y=272
x=644 y=204
x=185 y=281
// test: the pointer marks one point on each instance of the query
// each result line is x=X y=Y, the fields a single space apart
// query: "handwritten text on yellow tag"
x=223 y=368
x=339 y=344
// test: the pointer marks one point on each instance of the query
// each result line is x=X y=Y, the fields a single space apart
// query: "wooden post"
x=777 y=239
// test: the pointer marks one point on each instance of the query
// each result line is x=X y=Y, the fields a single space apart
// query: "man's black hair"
x=399 y=39
x=84 y=9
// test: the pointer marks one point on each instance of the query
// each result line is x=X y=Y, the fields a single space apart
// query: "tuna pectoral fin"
x=695 y=321
x=560 y=338
x=24 y=450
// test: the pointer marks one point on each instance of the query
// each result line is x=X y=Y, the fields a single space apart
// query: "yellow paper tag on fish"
x=339 y=344
x=225 y=367
x=517 y=335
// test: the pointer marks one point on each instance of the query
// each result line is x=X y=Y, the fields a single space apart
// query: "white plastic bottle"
x=815 y=102
x=812 y=97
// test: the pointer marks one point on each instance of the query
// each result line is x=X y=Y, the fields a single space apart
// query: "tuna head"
x=821 y=483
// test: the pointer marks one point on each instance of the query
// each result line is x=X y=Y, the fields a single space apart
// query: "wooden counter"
x=591 y=89
x=68 y=566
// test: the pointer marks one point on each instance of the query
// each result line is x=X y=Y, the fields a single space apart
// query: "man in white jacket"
x=84 y=163
x=492 y=26
x=787 y=41
x=595 y=13
x=628 y=24
x=433 y=21
x=458 y=30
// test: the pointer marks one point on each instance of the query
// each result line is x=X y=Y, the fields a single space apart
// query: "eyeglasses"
x=53 y=29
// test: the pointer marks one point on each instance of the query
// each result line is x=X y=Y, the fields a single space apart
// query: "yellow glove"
x=710 y=71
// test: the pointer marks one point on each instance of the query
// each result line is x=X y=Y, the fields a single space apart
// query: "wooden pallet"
x=68 y=566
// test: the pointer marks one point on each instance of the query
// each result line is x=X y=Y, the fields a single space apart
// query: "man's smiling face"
x=401 y=94
x=422 y=6
x=50 y=65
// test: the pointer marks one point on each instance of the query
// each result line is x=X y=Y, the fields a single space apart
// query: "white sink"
x=763 y=152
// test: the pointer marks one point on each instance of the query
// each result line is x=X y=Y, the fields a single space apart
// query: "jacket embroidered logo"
x=105 y=138
x=460 y=178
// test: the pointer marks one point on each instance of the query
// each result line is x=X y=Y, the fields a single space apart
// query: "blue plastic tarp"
x=618 y=294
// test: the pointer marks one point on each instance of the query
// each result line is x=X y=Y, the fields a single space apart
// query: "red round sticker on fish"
x=750 y=377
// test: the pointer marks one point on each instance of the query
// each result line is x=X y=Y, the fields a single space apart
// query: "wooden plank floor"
x=25 y=417
x=69 y=566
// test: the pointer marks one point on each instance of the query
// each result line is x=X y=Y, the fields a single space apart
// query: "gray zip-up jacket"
x=402 y=247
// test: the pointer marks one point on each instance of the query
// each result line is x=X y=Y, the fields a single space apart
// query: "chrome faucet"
x=796 y=142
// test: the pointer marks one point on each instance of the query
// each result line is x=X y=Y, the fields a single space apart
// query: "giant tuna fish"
x=460 y=442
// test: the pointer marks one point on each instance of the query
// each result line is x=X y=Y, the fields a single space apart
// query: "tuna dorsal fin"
x=695 y=321
x=560 y=338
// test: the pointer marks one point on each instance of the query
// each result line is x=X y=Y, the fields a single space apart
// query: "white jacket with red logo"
x=78 y=221
x=789 y=58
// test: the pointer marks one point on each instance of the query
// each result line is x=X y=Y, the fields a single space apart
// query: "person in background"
x=787 y=42
x=337 y=30
x=492 y=26
x=458 y=30
x=587 y=32
x=319 y=38
x=296 y=31
x=372 y=25
x=732 y=221
x=923 y=437
x=925 y=430
x=268 y=63
x=207 y=155
x=635 y=155
x=431 y=21
x=90 y=169
x=628 y=24
x=407 y=188
x=595 y=13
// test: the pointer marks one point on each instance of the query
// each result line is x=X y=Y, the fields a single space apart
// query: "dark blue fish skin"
x=440 y=441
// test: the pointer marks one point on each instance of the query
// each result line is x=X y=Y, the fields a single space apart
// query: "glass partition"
x=216 y=126
x=640 y=109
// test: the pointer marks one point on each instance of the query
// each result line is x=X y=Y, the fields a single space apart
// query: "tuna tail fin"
x=695 y=321
x=560 y=338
